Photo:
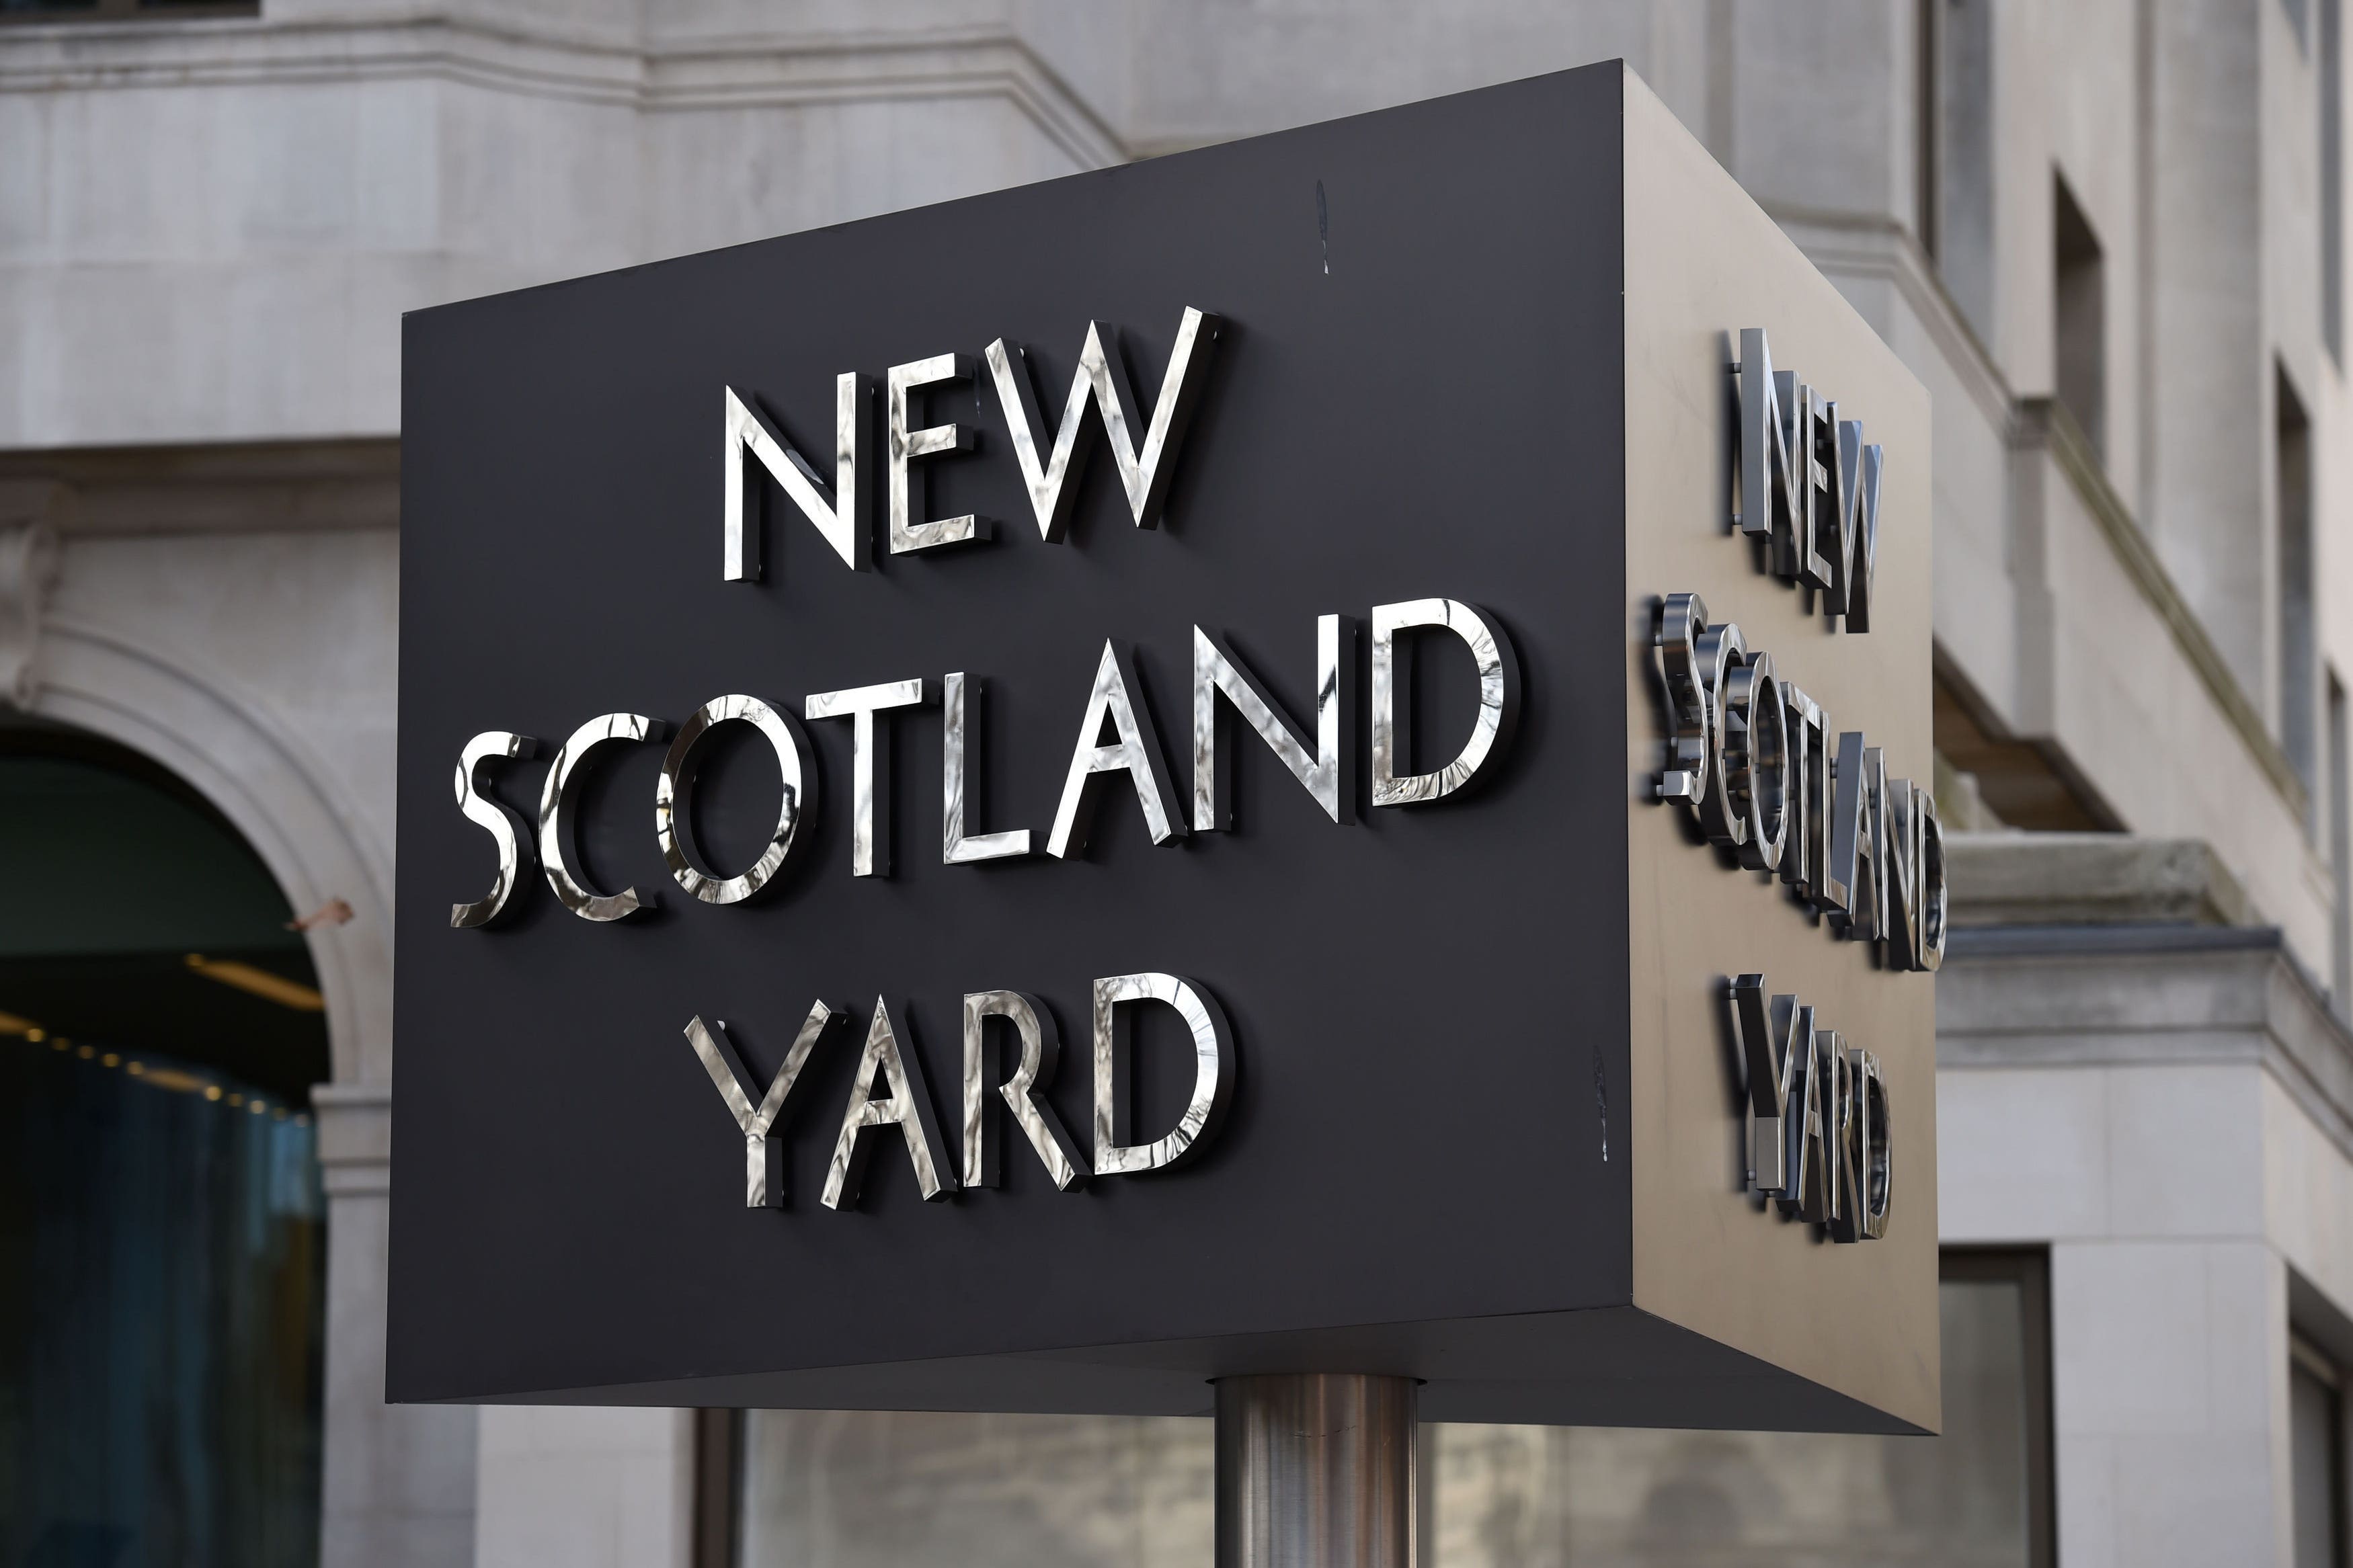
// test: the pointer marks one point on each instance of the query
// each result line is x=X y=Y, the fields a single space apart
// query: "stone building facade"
x=2106 y=235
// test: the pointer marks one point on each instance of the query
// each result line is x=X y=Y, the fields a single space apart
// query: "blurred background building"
x=2108 y=237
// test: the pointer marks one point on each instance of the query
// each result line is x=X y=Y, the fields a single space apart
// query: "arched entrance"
x=162 y=1224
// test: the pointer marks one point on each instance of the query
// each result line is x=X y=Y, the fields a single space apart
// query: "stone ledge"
x=2089 y=879
x=205 y=487
x=2146 y=997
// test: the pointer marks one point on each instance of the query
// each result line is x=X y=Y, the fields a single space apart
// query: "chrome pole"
x=1315 y=1470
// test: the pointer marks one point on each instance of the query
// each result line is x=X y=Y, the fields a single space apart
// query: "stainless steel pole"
x=1315 y=1470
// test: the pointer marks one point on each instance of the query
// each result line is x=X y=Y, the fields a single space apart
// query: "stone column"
x=398 y=1487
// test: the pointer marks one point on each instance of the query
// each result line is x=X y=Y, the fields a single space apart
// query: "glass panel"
x=833 y=1491
x=161 y=1279
x=17 y=5
x=877 y=1489
x=2313 y=1419
x=1657 y=1499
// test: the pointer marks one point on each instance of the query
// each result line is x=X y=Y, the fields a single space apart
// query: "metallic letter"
x=1771 y=1036
x=1325 y=773
x=840 y=511
x=1756 y=761
x=869 y=765
x=906 y=487
x=1931 y=875
x=1499 y=699
x=1845 y=1222
x=1720 y=653
x=1682 y=619
x=1900 y=837
x=1864 y=574
x=1858 y=837
x=492 y=818
x=1802 y=1129
x=556 y=814
x=764 y=1151
x=1772 y=498
x=1819 y=1169
x=673 y=813
x=1213 y=1072
x=1143 y=474
x=1875 y=1164
x=1137 y=753
x=909 y=1109
x=1813 y=446
x=1022 y=1092
x=959 y=786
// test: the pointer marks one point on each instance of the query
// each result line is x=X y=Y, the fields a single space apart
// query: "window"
x=2340 y=848
x=2298 y=710
x=2332 y=181
x=2315 y=1420
x=2079 y=308
x=874 y=1490
x=121 y=10
x=1955 y=136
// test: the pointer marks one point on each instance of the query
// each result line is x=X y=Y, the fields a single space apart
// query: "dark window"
x=2340 y=848
x=1955 y=153
x=2332 y=181
x=2298 y=709
x=121 y=10
x=2315 y=1420
x=2079 y=317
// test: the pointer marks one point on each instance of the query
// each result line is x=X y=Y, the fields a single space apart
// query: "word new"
x=1808 y=486
x=1818 y=1118
x=903 y=1107
x=1753 y=757
x=1050 y=466
x=1222 y=684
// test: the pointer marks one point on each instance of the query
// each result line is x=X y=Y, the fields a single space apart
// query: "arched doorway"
x=162 y=1247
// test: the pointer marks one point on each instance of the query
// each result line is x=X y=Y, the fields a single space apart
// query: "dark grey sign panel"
x=1364 y=1003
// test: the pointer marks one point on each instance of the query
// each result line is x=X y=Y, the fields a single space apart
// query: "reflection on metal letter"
x=764 y=1150
x=1772 y=1034
x=838 y=510
x=1136 y=753
x=869 y=765
x=673 y=792
x=1930 y=873
x=505 y=826
x=1323 y=771
x=908 y=530
x=908 y=1109
x=1757 y=761
x=1875 y=1168
x=1213 y=1072
x=960 y=783
x=1144 y=473
x=1499 y=699
x=1864 y=574
x=1023 y=1092
x=556 y=814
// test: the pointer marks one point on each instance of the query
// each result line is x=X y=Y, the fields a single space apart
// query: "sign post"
x=1315 y=1470
x=1272 y=780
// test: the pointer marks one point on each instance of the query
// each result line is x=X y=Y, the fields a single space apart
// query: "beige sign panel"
x=1704 y=268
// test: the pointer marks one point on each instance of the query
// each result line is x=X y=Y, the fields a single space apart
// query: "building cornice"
x=773 y=69
x=2078 y=997
x=262 y=487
